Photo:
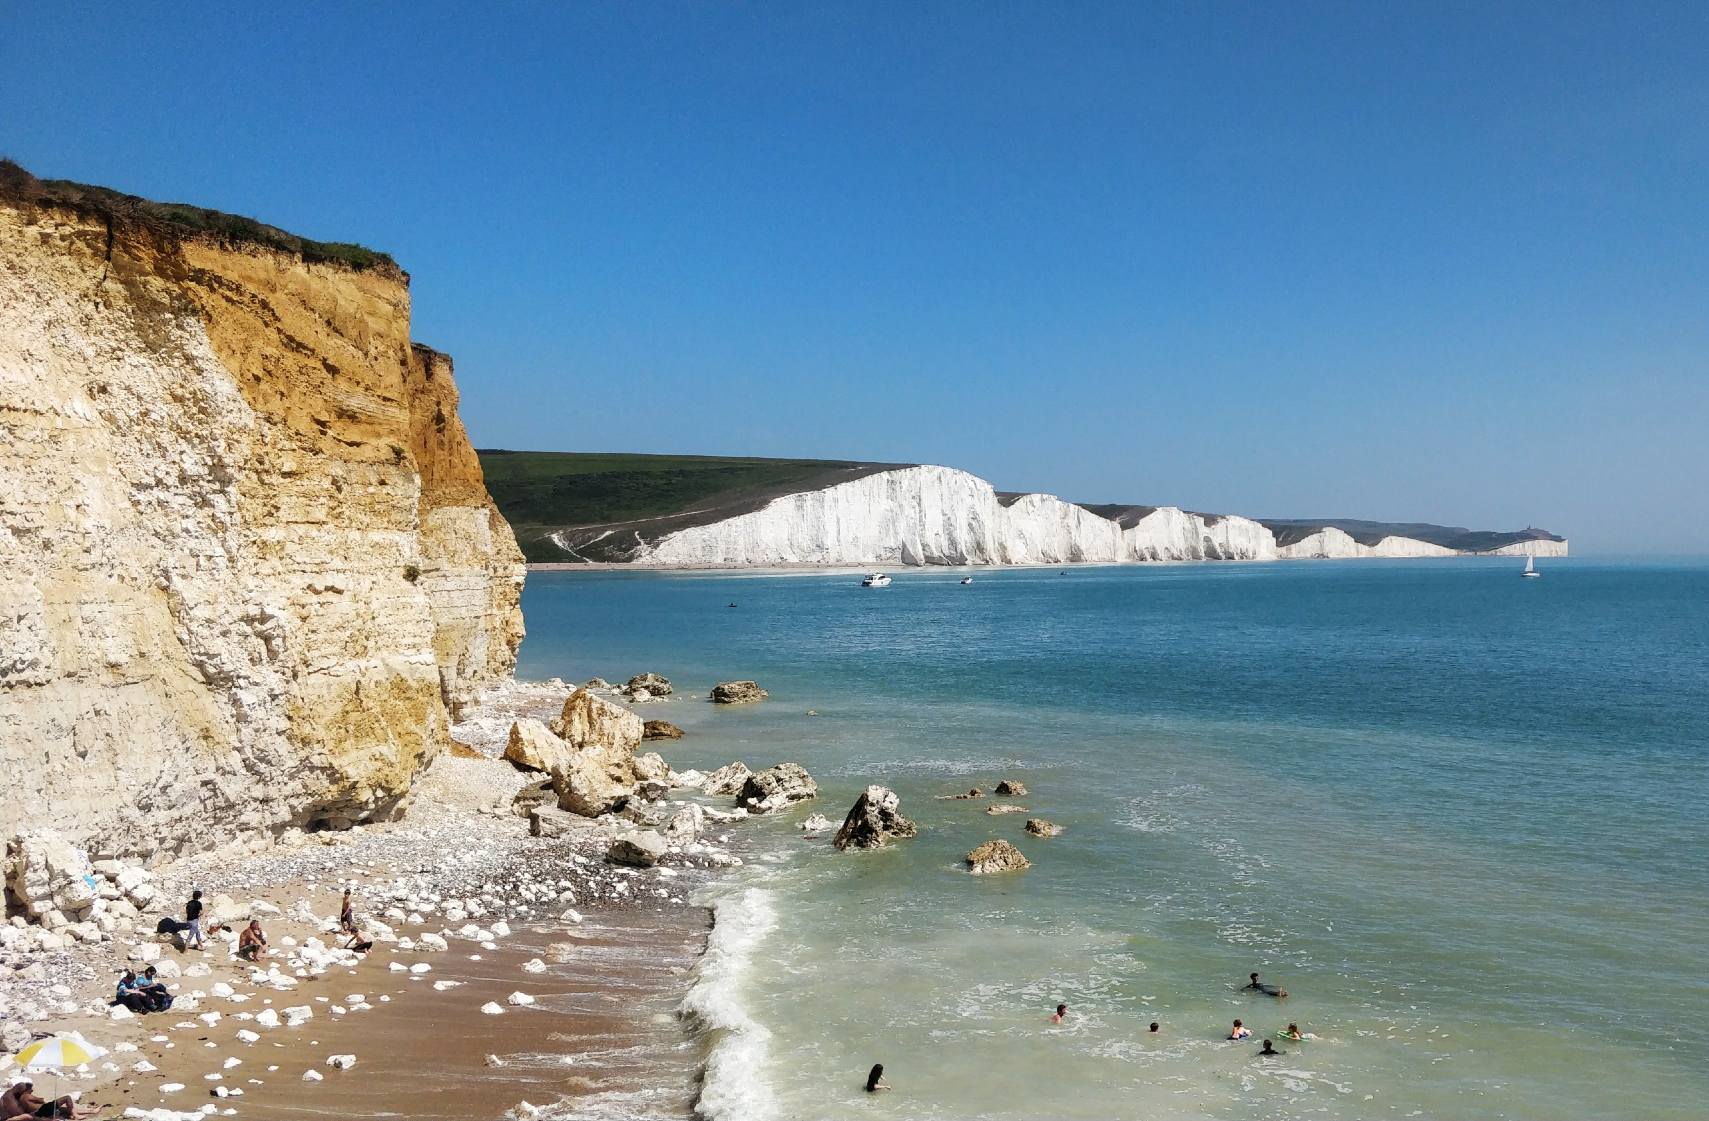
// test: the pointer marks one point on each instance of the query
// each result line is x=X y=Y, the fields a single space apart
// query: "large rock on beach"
x=686 y=825
x=533 y=796
x=996 y=856
x=873 y=821
x=1039 y=827
x=533 y=747
x=550 y=821
x=654 y=684
x=51 y=878
x=738 y=692
x=727 y=779
x=652 y=767
x=637 y=850
x=599 y=772
x=660 y=730
x=776 y=788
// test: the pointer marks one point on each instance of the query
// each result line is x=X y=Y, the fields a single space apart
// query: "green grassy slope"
x=543 y=492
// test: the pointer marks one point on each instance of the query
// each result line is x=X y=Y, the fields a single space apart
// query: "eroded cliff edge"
x=251 y=566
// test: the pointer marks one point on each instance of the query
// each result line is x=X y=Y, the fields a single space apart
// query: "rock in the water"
x=737 y=692
x=597 y=683
x=873 y=821
x=639 y=850
x=818 y=823
x=599 y=772
x=996 y=856
x=1039 y=827
x=686 y=824
x=1011 y=788
x=651 y=767
x=1005 y=808
x=533 y=747
x=654 y=684
x=727 y=779
x=660 y=730
x=776 y=788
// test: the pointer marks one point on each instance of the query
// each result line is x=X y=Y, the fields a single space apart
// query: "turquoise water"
x=1459 y=815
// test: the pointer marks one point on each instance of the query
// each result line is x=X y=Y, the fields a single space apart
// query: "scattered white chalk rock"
x=519 y=1000
x=433 y=942
x=441 y=986
x=492 y=1008
x=341 y=1062
x=420 y=967
x=171 y=1087
x=533 y=965
x=267 y=1018
x=248 y=1036
x=312 y=1076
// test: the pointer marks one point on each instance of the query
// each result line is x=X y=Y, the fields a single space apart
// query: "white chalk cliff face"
x=938 y=515
x=250 y=565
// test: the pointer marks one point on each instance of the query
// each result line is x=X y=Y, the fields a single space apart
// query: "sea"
x=1461 y=817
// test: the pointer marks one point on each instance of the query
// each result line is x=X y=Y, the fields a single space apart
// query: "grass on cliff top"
x=181 y=219
x=539 y=492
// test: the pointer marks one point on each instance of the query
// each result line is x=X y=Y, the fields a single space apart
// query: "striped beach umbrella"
x=58 y=1051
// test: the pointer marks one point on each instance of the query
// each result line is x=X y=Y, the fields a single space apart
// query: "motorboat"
x=875 y=580
x=967 y=579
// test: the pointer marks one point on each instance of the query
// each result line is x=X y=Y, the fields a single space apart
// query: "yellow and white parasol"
x=59 y=1051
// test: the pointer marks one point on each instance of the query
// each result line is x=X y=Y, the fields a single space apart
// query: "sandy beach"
x=581 y=967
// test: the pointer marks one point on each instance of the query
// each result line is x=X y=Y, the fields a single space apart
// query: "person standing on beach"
x=347 y=914
x=193 y=916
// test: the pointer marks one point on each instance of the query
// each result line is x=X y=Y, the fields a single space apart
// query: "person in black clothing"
x=153 y=990
x=1268 y=1050
x=193 y=915
x=1267 y=990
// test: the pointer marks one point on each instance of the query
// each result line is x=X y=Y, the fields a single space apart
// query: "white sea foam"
x=735 y=1085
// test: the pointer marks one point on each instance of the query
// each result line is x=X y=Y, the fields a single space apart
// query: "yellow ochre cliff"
x=251 y=567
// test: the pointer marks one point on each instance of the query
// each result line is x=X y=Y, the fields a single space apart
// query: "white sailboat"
x=1531 y=566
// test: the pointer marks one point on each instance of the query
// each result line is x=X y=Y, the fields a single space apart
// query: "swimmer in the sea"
x=1268 y=1049
x=1240 y=1031
x=1295 y=1033
x=1268 y=990
x=1155 y=1027
x=1061 y=1011
x=875 y=1079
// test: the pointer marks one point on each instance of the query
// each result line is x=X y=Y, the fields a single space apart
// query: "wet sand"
x=602 y=1036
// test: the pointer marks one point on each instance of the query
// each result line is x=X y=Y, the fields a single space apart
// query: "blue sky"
x=1445 y=262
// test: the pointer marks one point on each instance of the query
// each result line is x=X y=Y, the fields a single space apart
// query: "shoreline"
x=465 y=909
x=809 y=569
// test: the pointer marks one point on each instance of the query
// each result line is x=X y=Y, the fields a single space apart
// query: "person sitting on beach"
x=1268 y=1050
x=1240 y=1031
x=1061 y=1011
x=1268 y=990
x=22 y=1103
x=252 y=944
x=358 y=943
x=129 y=993
x=193 y=916
x=875 y=1079
x=154 y=990
x=347 y=914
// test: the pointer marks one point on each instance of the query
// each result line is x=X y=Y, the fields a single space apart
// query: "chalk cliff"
x=251 y=566
x=924 y=515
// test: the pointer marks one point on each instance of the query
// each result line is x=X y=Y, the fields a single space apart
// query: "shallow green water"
x=1461 y=816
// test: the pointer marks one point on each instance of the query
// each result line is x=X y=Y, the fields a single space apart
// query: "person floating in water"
x=1268 y=990
x=875 y=1079
x=1061 y=1011
x=1156 y=1027
x=1240 y=1031
x=1268 y=1050
x=1295 y=1033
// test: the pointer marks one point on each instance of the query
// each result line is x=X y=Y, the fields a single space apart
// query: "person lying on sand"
x=1239 y=1031
x=1268 y=1050
x=875 y=1079
x=252 y=944
x=22 y=1103
x=1061 y=1011
x=1268 y=990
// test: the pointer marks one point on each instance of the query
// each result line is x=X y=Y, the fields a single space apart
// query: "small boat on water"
x=967 y=579
x=1531 y=567
x=876 y=580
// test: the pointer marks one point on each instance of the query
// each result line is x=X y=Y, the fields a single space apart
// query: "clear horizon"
x=1402 y=264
